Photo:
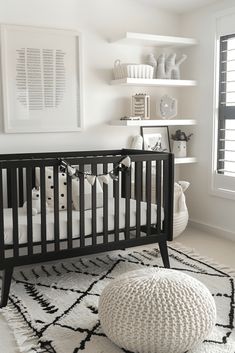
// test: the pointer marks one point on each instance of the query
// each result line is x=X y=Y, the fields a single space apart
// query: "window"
x=223 y=170
x=226 y=111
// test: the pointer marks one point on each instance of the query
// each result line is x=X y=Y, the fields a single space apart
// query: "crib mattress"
x=22 y=221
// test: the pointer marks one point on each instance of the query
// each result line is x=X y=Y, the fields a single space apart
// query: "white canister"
x=180 y=148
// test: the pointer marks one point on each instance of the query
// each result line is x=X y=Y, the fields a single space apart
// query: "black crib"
x=149 y=171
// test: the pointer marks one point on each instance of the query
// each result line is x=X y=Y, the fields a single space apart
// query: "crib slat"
x=127 y=176
x=93 y=205
x=138 y=187
x=69 y=212
x=33 y=177
x=116 y=208
x=29 y=210
x=9 y=191
x=159 y=194
x=15 y=212
x=1 y=219
x=43 y=209
x=56 y=208
x=165 y=196
x=82 y=206
x=105 y=206
x=168 y=193
x=148 y=195
x=21 y=186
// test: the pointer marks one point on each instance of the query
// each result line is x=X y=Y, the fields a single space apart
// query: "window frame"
x=224 y=112
x=221 y=185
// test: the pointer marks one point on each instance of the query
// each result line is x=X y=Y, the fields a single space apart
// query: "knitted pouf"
x=156 y=311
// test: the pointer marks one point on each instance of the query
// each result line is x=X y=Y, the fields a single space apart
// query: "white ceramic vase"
x=180 y=148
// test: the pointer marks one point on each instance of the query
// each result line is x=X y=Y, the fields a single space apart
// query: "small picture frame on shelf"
x=156 y=138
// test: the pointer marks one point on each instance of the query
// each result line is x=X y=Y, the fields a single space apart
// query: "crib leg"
x=6 y=283
x=164 y=253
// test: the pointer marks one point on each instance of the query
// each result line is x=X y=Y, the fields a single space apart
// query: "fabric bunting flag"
x=126 y=162
x=91 y=179
x=104 y=178
x=71 y=171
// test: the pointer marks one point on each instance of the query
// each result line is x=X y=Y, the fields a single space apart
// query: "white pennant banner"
x=91 y=179
x=126 y=162
x=104 y=178
x=71 y=170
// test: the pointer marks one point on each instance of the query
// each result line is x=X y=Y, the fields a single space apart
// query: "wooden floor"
x=209 y=245
x=217 y=248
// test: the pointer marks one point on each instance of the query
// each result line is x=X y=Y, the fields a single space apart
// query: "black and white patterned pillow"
x=62 y=185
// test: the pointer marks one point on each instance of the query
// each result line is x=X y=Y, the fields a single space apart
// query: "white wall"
x=204 y=207
x=98 y=20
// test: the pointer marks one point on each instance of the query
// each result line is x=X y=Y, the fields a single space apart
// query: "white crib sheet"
x=22 y=221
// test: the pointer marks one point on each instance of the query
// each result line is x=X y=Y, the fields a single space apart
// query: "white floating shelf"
x=151 y=122
x=185 y=160
x=154 y=40
x=153 y=82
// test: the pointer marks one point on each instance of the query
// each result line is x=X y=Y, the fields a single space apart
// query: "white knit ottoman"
x=156 y=311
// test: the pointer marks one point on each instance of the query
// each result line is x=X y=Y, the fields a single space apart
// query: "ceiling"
x=178 y=6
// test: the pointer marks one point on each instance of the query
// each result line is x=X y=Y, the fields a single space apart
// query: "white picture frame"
x=156 y=138
x=41 y=79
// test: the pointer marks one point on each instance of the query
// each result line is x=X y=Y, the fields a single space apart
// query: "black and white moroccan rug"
x=53 y=308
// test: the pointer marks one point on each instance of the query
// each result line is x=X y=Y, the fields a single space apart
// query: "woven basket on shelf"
x=132 y=70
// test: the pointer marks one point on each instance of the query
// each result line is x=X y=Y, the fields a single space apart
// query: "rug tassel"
x=189 y=251
x=26 y=342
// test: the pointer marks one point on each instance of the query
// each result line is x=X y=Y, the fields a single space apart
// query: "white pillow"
x=62 y=185
x=62 y=180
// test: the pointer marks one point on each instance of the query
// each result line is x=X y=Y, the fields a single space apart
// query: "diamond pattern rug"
x=54 y=308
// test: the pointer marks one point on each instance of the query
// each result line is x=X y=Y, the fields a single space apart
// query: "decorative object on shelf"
x=41 y=79
x=168 y=67
x=156 y=138
x=74 y=172
x=180 y=140
x=180 y=149
x=173 y=66
x=132 y=70
x=137 y=142
x=151 y=60
x=157 y=310
x=141 y=106
x=168 y=107
x=161 y=71
x=180 y=218
x=181 y=136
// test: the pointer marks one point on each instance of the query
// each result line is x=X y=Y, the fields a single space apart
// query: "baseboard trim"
x=220 y=232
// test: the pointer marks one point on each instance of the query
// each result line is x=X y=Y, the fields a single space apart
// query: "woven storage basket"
x=132 y=70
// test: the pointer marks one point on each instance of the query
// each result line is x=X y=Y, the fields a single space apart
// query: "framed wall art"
x=41 y=73
x=156 y=138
